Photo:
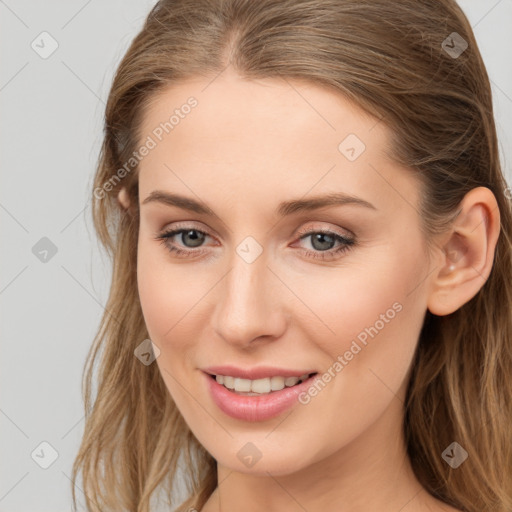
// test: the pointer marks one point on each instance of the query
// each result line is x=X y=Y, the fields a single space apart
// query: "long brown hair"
x=392 y=59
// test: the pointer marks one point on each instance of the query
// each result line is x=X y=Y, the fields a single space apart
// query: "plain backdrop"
x=53 y=277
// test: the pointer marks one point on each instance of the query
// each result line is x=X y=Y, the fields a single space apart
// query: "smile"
x=256 y=400
x=257 y=387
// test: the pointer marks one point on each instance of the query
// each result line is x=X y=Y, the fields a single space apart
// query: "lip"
x=260 y=372
x=255 y=408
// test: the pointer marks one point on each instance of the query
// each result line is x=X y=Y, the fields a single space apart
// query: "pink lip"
x=255 y=408
x=260 y=372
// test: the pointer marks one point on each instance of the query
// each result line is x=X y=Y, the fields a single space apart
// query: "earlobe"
x=123 y=198
x=466 y=257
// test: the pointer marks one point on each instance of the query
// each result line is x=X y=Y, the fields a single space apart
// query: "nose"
x=251 y=304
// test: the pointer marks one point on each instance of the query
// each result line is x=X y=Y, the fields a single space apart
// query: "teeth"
x=229 y=382
x=242 y=384
x=277 y=383
x=291 y=381
x=259 y=386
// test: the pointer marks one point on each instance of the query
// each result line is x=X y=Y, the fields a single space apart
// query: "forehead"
x=272 y=137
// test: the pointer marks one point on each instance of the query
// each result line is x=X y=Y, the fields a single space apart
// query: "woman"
x=310 y=306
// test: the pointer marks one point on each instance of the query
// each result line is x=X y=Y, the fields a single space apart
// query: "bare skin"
x=247 y=146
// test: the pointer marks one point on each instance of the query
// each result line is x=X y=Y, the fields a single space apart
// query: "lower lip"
x=255 y=408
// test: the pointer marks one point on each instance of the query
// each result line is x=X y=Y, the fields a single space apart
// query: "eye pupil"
x=320 y=237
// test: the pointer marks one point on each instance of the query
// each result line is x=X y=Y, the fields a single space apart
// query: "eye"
x=190 y=237
x=323 y=242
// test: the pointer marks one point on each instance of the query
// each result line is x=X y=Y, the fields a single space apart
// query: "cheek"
x=171 y=297
x=161 y=290
x=370 y=314
x=376 y=321
x=349 y=300
x=167 y=306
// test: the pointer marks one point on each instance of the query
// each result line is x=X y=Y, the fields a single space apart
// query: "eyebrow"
x=284 y=209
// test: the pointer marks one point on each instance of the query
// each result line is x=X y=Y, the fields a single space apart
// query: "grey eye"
x=322 y=241
x=196 y=237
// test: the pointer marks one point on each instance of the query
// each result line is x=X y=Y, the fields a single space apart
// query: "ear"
x=465 y=257
x=123 y=198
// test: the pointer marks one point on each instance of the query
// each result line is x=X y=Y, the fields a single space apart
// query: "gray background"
x=51 y=126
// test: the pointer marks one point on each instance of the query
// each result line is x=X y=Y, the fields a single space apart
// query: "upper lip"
x=254 y=373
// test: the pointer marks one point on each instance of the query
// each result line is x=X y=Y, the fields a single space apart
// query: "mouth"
x=259 y=387
x=254 y=400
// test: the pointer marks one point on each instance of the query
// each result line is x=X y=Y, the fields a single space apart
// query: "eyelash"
x=347 y=243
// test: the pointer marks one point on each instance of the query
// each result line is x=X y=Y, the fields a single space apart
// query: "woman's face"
x=264 y=280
